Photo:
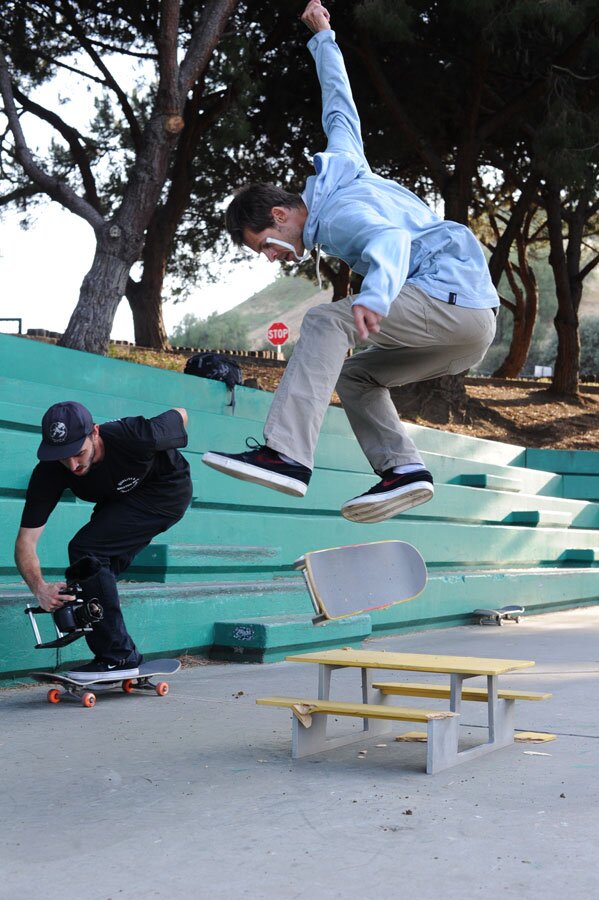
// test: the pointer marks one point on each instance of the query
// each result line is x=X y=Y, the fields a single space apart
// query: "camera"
x=77 y=615
x=72 y=621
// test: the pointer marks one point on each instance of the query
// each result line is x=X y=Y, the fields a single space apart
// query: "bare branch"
x=23 y=193
x=55 y=188
x=110 y=81
x=590 y=266
x=73 y=139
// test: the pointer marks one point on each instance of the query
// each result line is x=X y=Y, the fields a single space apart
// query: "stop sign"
x=278 y=333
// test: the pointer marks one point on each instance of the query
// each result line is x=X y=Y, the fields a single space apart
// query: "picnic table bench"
x=309 y=719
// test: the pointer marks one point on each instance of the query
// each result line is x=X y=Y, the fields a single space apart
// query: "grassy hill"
x=286 y=300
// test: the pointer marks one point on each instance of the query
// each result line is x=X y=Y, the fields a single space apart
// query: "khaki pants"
x=421 y=338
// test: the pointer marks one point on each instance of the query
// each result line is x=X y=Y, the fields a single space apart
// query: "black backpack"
x=216 y=366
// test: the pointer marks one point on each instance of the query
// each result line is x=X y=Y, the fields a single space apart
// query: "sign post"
x=278 y=333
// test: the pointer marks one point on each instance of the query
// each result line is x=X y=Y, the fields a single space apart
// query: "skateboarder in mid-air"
x=426 y=308
x=140 y=484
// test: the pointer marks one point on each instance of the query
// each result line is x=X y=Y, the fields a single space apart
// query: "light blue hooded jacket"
x=379 y=228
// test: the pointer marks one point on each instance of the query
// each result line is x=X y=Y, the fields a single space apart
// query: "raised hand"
x=316 y=17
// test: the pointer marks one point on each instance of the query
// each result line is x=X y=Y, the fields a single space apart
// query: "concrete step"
x=271 y=638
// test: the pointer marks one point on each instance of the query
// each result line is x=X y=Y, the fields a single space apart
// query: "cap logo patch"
x=58 y=432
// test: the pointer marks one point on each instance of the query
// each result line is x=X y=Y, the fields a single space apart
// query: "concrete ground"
x=195 y=795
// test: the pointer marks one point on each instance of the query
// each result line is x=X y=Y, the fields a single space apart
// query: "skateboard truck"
x=72 y=621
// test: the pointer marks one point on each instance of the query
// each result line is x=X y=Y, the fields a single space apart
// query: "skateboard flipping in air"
x=346 y=581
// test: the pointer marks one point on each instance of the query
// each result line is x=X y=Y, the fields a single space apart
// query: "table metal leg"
x=372 y=727
x=455 y=698
x=443 y=735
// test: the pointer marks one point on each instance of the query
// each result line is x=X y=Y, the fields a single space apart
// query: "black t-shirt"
x=140 y=460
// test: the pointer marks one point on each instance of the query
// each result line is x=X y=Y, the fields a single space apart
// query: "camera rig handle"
x=61 y=639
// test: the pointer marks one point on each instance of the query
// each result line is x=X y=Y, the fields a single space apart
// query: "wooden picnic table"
x=309 y=734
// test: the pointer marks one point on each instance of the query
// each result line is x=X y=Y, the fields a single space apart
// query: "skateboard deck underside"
x=346 y=581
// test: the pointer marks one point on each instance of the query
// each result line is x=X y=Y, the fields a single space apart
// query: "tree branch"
x=109 y=79
x=55 y=188
x=204 y=39
x=168 y=68
x=73 y=139
x=24 y=193
x=586 y=270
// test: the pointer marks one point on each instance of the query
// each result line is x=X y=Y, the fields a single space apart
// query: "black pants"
x=115 y=534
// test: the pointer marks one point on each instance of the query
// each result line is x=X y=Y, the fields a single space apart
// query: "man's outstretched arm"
x=340 y=118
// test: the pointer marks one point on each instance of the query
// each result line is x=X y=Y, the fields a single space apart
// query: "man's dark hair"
x=251 y=207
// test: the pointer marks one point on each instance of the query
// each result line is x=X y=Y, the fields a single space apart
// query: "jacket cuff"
x=319 y=37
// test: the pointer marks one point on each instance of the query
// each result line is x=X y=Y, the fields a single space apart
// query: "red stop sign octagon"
x=278 y=333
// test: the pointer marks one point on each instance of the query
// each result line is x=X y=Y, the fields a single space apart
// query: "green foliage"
x=387 y=19
x=213 y=333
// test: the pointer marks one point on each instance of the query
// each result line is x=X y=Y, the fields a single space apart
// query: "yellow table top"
x=415 y=662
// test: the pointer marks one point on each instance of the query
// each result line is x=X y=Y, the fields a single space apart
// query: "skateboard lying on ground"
x=346 y=581
x=499 y=616
x=80 y=690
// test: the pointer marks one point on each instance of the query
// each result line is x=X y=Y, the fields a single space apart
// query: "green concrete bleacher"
x=504 y=526
x=579 y=470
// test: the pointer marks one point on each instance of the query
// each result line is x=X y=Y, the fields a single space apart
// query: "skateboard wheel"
x=88 y=700
x=53 y=696
x=162 y=688
x=128 y=686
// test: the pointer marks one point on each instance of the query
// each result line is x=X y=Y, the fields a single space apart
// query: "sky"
x=41 y=270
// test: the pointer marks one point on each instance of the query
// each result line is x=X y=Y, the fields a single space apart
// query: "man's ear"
x=280 y=214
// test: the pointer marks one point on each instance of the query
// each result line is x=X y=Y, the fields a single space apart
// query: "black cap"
x=65 y=427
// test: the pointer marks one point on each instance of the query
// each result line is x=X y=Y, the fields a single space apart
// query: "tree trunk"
x=525 y=313
x=339 y=276
x=514 y=362
x=518 y=213
x=567 y=362
x=440 y=400
x=145 y=301
x=145 y=296
x=101 y=292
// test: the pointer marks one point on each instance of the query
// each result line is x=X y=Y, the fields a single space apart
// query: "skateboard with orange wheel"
x=82 y=690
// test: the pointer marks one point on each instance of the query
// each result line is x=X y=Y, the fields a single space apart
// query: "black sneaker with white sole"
x=393 y=494
x=98 y=670
x=263 y=466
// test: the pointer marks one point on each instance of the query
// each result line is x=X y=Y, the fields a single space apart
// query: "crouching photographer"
x=140 y=484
